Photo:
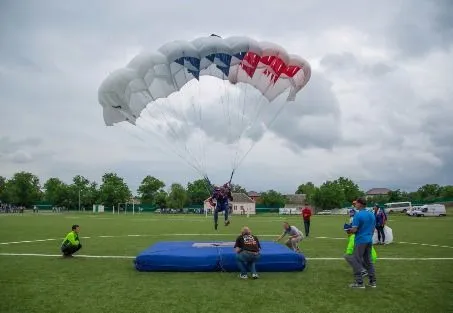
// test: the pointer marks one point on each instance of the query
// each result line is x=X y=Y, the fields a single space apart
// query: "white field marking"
x=133 y=257
x=207 y=235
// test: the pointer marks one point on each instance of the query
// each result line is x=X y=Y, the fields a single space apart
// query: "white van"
x=431 y=210
x=411 y=212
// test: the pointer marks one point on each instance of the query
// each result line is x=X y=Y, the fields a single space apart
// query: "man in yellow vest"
x=71 y=243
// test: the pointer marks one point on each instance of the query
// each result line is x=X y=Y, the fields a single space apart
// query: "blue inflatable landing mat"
x=191 y=256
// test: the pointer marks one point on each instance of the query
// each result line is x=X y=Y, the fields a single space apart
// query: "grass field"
x=52 y=284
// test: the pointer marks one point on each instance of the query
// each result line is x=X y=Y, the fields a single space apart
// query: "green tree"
x=308 y=190
x=429 y=191
x=23 y=189
x=350 y=189
x=446 y=192
x=149 y=188
x=113 y=190
x=161 y=199
x=198 y=191
x=56 y=191
x=238 y=189
x=2 y=189
x=177 y=197
x=80 y=192
x=395 y=196
x=329 y=195
x=273 y=198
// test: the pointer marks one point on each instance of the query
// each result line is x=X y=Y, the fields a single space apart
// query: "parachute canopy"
x=151 y=76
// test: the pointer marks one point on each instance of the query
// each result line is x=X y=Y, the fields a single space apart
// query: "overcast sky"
x=378 y=107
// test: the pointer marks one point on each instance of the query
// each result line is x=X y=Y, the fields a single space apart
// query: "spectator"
x=247 y=248
x=363 y=227
x=349 y=255
x=306 y=214
x=295 y=236
x=380 y=223
x=71 y=243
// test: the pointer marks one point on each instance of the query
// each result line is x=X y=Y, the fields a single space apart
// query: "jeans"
x=380 y=233
x=219 y=208
x=70 y=249
x=360 y=260
x=246 y=261
x=307 y=227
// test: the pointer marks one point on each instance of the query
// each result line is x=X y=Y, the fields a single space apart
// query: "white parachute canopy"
x=178 y=90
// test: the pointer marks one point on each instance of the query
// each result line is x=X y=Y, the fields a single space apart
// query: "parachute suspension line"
x=185 y=155
x=268 y=126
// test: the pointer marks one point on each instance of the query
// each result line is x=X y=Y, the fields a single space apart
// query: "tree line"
x=25 y=189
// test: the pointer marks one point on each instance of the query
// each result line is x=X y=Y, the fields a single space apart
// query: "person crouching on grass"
x=295 y=236
x=247 y=248
x=71 y=243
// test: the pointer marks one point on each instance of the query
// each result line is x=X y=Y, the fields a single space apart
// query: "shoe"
x=372 y=285
x=357 y=286
x=242 y=276
x=215 y=226
x=255 y=276
x=227 y=223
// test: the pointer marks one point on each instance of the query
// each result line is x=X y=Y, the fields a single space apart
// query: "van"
x=431 y=210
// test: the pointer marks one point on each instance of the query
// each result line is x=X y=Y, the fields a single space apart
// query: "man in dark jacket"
x=247 y=248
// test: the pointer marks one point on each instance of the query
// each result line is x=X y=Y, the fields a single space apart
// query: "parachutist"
x=222 y=195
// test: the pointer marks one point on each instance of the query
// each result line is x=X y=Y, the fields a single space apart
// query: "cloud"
x=377 y=108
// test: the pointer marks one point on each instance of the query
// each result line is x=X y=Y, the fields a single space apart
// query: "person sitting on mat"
x=221 y=195
x=247 y=248
x=295 y=236
x=71 y=243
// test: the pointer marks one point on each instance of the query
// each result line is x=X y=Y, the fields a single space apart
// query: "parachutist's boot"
x=227 y=223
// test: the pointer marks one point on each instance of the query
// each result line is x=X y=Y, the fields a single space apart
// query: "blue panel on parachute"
x=190 y=256
x=191 y=64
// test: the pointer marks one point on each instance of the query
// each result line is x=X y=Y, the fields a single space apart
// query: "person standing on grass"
x=247 y=248
x=363 y=225
x=306 y=214
x=295 y=236
x=349 y=254
x=71 y=243
x=380 y=223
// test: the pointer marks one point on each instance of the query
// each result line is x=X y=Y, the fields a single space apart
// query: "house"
x=255 y=196
x=377 y=192
x=241 y=204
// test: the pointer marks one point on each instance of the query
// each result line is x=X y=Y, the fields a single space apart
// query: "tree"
x=329 y=195
x=113 y=190
x=429 y=191
x=198 y=191
x=350 y=189
x=23 y=189
x=2 y=189
x=446 y=192
x=161 y=199
x=308 y=190
x=238 y=189
x=273 y=198
x=177 y=197
x=395 y=196
x=55 y=191
x=81 y=189
x=149 y=188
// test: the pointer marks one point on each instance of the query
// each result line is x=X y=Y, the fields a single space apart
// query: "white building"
x=242 y=204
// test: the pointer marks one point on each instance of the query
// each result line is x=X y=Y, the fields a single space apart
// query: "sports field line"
x=133 y=257
x=208 y=235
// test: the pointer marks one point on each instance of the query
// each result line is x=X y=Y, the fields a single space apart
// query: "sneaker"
x=242 y=276
x=255 y=276
x=357 y=286
x=227 y=223
x=372 y=285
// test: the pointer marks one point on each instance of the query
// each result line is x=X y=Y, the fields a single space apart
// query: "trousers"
x=70 y=249
x=246 y=262
x=360 y=260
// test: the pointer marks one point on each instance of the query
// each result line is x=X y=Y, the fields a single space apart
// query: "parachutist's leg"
x=216 y=217
x=226 y=209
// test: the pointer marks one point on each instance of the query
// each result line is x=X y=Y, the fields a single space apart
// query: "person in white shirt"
x=295 y=236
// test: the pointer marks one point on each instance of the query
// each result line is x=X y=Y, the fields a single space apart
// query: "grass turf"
x=51 y=284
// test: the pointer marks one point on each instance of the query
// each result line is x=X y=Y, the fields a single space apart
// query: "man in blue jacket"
x=363 y=225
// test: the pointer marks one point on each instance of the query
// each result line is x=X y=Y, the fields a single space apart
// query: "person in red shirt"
x=306 y=214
